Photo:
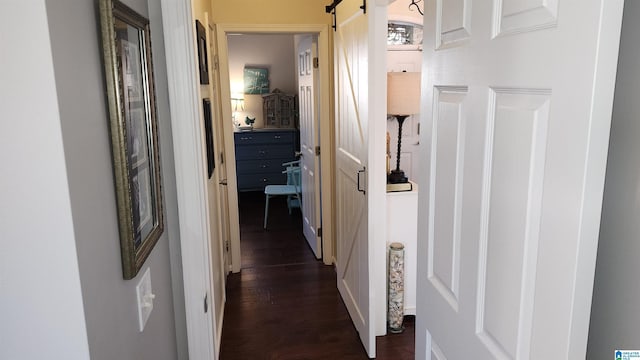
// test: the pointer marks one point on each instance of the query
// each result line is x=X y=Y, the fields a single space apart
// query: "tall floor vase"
x=395 y=297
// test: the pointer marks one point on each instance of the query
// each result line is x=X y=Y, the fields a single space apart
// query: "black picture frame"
x=126 y=48
x=203 y=60
x=208 y=128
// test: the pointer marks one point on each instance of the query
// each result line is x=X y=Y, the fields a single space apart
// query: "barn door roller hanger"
x=332 y=9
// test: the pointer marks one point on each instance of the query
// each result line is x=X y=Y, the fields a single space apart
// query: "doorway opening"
x=257 y=143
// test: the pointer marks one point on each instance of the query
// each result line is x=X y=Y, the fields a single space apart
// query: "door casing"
x=326 y=127
x=195 y=268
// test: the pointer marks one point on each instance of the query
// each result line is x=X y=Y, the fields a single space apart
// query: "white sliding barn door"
x=517 y=108
x=352 y=253
x=307 y=74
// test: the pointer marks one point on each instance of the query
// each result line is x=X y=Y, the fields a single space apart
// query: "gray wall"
x=110 y=301
x=41 y=310
x=615 y=313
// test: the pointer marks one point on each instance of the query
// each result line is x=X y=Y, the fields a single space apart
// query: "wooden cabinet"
x=259 y=157
x=279 y=110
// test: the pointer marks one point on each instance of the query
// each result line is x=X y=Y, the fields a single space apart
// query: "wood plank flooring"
x=284 y=304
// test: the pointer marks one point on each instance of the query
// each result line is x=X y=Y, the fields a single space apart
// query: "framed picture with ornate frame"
x=126 y=44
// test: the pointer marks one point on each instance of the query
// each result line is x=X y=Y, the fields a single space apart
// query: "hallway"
x=284 y=304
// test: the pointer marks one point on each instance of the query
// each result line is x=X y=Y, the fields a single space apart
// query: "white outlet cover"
x=145 y=299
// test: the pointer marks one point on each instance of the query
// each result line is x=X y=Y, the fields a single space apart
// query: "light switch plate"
x=145 y=299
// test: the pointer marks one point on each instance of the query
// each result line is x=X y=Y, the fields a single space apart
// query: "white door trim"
x=376 y=184
x=192 y=196
x=326 y=128
x=603 y=89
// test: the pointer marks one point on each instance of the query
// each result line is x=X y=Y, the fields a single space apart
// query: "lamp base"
x=397 y=177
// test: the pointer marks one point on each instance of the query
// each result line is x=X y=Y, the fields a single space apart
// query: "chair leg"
x=266 y=210
x=289 y=203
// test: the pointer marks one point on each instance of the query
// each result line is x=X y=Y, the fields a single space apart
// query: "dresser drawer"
x=259 y=181
x=259 y=157
x=253 y=152
x=259 y=166
x=263 y=137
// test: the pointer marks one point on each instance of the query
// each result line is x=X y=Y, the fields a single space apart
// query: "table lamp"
x=237 y=101
x=403 y=100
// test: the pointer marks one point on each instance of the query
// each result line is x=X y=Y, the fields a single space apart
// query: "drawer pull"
x=277 y=137
x=264 y=166
x=246 y=138
x=264 y=180
x=262 y=152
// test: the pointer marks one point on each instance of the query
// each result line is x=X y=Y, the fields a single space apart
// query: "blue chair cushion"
x=281 y=190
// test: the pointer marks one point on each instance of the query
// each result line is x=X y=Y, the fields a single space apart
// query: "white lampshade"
x=403 y=93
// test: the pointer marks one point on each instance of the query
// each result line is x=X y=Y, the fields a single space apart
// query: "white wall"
x=275 y=52
x=41 y=310
x=615 y=314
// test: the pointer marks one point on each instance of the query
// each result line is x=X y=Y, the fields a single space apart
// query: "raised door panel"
x=453 y=22
x=514 y=172
x=517 y=16
x=446 y=192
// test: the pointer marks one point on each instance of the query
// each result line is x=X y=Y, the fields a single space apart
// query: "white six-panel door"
x=516 y=112
x=307 y=51
x=352 y=252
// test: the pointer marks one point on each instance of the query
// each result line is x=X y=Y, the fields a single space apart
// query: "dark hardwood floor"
x=284 y=304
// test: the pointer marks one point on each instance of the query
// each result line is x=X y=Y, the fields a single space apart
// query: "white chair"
x=292 y=190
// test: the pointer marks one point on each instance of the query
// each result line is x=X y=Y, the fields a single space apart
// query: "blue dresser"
x=260 y=154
